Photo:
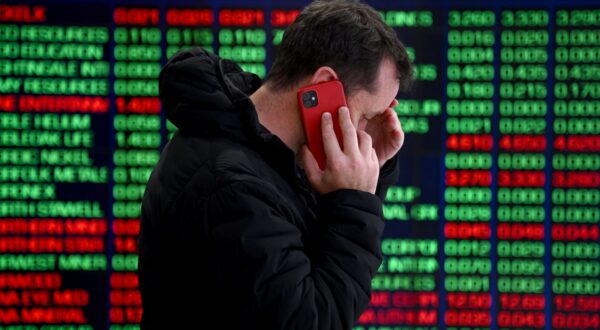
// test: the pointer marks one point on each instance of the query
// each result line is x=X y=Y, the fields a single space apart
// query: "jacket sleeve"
x=263 y=261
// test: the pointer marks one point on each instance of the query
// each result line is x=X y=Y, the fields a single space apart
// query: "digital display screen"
x=494 y=222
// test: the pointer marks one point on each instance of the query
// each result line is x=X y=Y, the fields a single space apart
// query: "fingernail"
x=326 y=116
x=344 y=110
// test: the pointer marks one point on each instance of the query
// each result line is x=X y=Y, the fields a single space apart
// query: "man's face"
x=365 y=105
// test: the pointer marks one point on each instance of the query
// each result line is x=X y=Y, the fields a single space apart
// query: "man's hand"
x=354 y=167
x=386 y=132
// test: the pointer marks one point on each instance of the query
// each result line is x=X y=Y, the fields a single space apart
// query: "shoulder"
x=211 y=163
x=194 y=168
x=233 y=162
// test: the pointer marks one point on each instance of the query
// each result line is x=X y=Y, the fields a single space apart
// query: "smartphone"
x=313 y=101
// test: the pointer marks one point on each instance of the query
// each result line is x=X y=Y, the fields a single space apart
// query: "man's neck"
x=278 y=112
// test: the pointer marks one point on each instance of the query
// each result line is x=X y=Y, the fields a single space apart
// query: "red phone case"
x=330 y=96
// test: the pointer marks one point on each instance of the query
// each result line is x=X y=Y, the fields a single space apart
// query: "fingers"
x=348 y=131
x=391 y=118
x=354 y=167
x=400 y=134
x=366 y=147
x=392 y=125
x=331 y=145
x=365 y=143
x=374 y=157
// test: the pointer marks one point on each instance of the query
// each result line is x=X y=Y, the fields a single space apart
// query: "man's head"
x=346 y=36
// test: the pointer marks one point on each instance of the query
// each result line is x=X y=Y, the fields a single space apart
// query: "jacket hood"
x=203 y=94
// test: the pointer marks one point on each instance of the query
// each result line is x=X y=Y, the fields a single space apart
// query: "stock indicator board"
x=493 y=224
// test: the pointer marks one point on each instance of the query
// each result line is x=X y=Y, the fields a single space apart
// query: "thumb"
x=311 y=167
x=362 y=124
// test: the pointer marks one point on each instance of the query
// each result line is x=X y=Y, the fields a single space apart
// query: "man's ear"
x=323 y=74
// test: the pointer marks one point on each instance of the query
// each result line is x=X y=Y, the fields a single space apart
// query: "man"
x=240 y=227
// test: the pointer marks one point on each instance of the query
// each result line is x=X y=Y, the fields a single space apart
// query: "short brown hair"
x=348 y=36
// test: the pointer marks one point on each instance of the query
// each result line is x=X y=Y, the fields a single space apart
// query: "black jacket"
x=231 y=232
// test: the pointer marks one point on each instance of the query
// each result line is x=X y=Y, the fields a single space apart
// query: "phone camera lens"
x=309 y=99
